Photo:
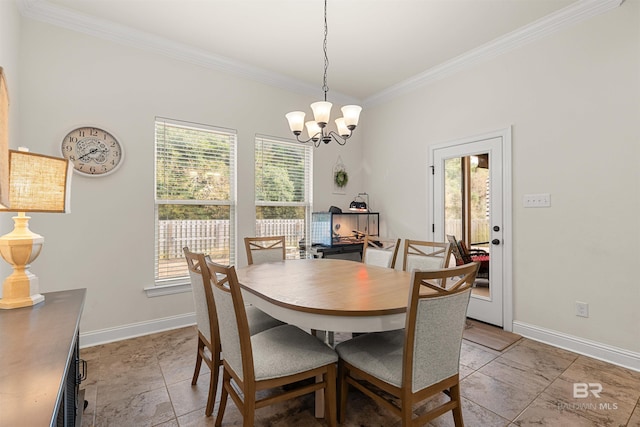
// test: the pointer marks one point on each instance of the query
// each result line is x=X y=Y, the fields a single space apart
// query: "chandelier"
x=317 y=128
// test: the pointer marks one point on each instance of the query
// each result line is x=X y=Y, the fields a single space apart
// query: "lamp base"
x=20 y=248
x=6 y=304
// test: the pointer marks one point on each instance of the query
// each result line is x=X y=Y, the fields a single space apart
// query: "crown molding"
x=572 y=14
x=43 y=11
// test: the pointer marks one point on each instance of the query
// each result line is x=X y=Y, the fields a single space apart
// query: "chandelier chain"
x=325 y=88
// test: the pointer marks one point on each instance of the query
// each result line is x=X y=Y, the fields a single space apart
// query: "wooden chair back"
x=380 y=251
x=207 y=322
x=265 y=249
x=425 y=255
x=235 y=336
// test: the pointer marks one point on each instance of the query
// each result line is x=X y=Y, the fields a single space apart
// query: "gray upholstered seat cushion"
x=378 y=354
x=260 y=321
x=286 y=350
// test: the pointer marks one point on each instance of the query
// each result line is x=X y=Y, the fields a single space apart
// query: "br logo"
x=582 y=390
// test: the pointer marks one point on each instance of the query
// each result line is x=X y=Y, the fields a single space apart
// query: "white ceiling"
x=373 y=45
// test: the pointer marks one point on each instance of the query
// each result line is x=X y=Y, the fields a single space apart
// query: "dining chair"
x=419 y=361
x=279 y=359
x=209 y=348
x=265 y=249
x=425 y=255
x=380 y=251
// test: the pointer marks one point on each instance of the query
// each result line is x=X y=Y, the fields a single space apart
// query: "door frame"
x=507 y=210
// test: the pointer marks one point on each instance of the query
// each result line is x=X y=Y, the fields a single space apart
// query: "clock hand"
x=94 y=150
x=88 y=154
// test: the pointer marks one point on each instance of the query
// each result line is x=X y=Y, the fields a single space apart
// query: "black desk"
x=350 y=251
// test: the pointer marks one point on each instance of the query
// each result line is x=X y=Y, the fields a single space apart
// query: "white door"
x=485 y=225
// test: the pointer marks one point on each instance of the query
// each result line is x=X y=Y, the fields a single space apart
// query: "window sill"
x=177 y=287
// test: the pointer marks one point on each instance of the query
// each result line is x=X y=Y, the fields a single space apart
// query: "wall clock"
x=92 y=151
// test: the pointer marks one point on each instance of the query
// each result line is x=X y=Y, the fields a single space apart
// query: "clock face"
x=92 y=151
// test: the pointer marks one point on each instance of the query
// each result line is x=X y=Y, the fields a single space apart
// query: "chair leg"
x=330 y=396
x=457 y=411
x=406 y=412
x=196 y=372
x=226 y=382
x=343 y=389
x=213 y=384
x=249 y=410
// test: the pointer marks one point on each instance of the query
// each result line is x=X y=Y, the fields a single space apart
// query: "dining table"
x=327 y=294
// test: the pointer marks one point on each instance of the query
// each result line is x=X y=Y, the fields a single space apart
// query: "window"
x=195 y=195
x=283 y=174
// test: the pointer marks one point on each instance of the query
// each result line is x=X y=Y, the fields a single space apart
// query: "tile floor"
x=146 y=381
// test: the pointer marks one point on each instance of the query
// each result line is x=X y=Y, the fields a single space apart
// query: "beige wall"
x=9 y=39
x=573 y=101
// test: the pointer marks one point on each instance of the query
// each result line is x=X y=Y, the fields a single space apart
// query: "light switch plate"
x=542 y=200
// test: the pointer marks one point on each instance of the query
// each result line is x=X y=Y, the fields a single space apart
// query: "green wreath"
x=341 y=178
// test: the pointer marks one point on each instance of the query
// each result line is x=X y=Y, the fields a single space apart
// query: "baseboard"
x=103 y=336
x=604 y=352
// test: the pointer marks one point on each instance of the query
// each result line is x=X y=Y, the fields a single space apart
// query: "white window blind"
x=195 y=195
x=283 y=188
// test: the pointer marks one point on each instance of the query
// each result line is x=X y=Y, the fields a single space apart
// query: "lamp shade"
x=343 y=130
x=351 y=114
x=38 y=183
x=313 y=129
x=296 y=120
x=321 y=111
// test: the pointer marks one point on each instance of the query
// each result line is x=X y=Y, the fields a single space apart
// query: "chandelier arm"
x=316 y=139
x=339 y=138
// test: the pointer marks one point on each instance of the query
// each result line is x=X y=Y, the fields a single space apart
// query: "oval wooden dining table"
x=328 y=294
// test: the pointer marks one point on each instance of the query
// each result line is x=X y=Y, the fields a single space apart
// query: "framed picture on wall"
x=340 y=177
x=4 y=141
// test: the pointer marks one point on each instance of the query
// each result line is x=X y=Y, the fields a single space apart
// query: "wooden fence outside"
x=212 y=236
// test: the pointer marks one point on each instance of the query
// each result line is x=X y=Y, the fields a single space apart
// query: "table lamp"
x=37 y=183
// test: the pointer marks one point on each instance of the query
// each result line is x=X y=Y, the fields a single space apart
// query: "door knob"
x=495 y=241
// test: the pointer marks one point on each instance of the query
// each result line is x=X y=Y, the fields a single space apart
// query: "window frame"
x=307 y=203
x=231 y=134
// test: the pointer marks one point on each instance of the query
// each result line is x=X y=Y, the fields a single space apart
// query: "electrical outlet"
x=542 y=200
x=582 y=309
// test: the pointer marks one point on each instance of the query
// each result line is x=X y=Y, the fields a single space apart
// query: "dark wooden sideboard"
x=39 y=361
